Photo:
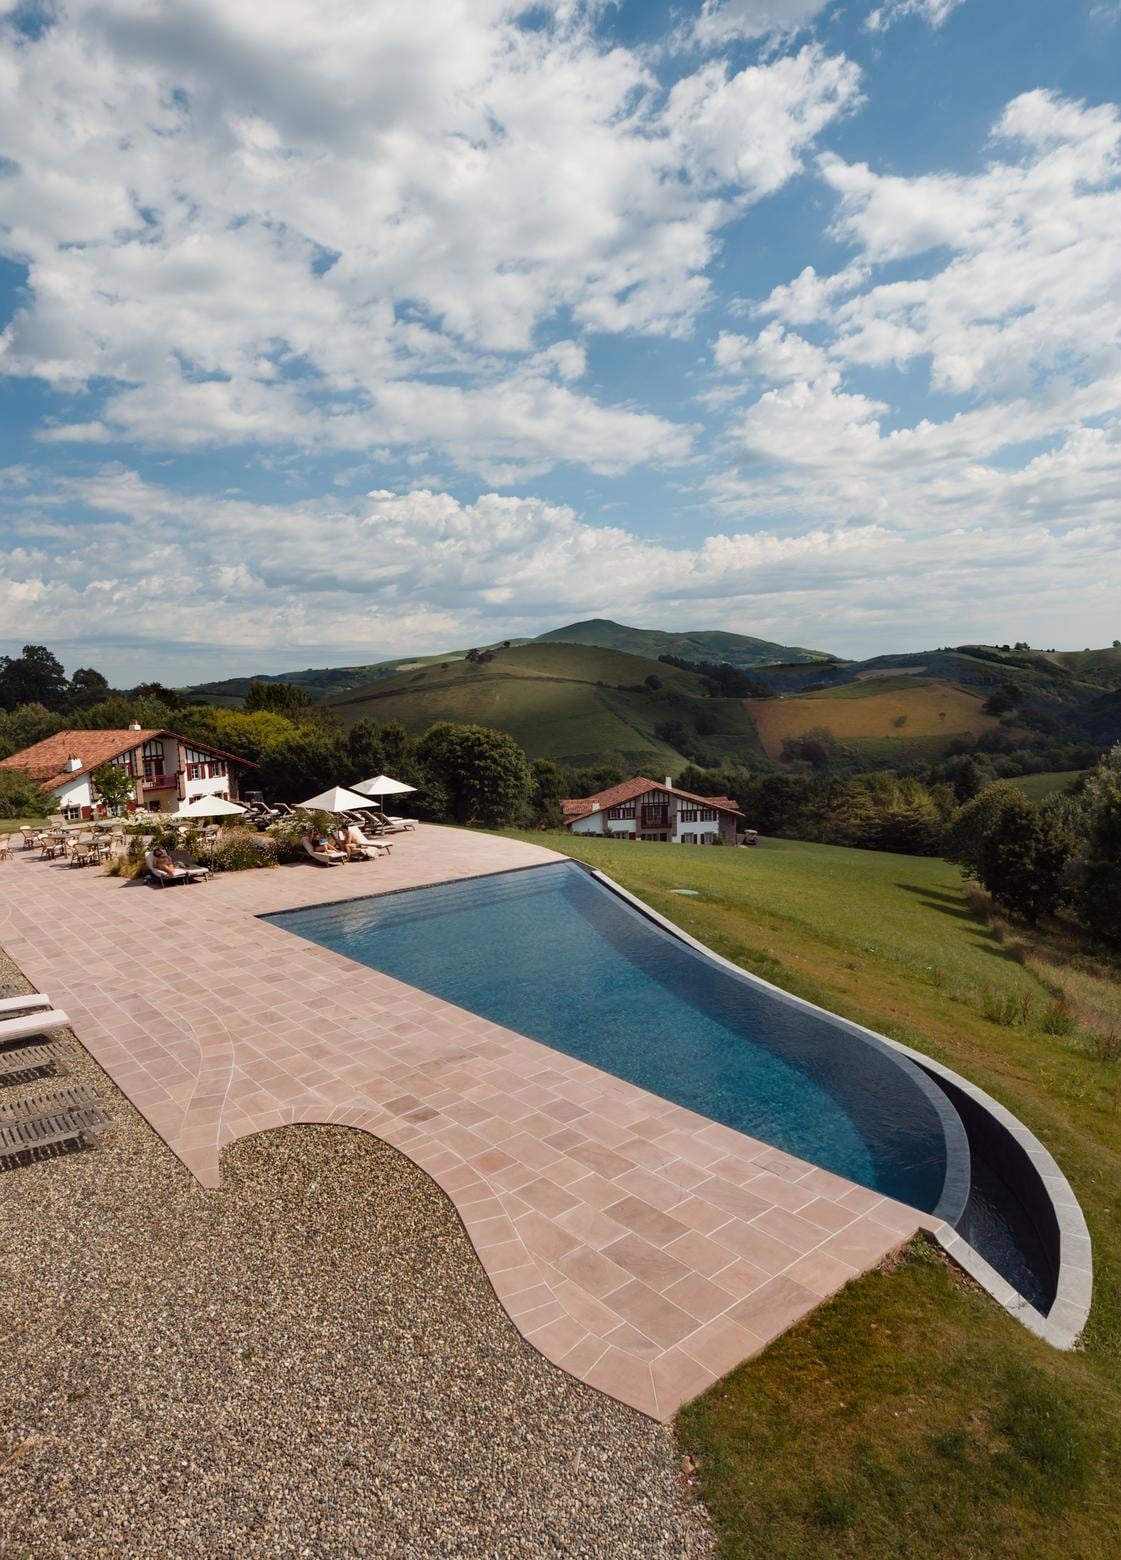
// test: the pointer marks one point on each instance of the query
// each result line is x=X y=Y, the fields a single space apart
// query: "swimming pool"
x=556 y=955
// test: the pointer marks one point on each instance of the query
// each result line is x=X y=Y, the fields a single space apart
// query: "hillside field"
x=697 y=645
x=908 y=1415
x=889 y=719
x=1038 y=787
x=578 y=704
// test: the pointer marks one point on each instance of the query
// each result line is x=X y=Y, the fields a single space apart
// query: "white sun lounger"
x=32 y=999
x=33 y=1024
x=325 y=858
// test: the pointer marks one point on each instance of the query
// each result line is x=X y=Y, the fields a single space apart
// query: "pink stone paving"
x=638 y=1245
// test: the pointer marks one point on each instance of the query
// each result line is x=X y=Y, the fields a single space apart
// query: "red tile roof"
x=45 y=762
x=629 y=790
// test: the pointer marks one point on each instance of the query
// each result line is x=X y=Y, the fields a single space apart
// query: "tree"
x=20 y=797
x=304 y=762
x=87 y=687
x=653 y=682
x=158 y=693
x=549 y=788
x=484 y=772
x=26 y=725
x=364 y=751
x=281 y=698
x=113 y=784
x=1003 y=700
x=1097 y=866
x=35 y=677
x=1005 y=841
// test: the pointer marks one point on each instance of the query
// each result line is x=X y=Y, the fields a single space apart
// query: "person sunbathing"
x=163 y=864
x=319 y=843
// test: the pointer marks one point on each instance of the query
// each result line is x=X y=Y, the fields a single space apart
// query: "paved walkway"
x=638 y=1245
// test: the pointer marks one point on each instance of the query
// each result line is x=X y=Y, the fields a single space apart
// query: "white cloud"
x=346 y=225
x=775 y=354
x=1010 y=307
x=933 y=12
x=722 y=20
x=266 y=587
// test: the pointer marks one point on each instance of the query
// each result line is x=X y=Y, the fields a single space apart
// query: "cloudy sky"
x=346 y=329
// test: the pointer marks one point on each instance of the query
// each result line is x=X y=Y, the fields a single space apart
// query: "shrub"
x=238 y=850
x=20 y=797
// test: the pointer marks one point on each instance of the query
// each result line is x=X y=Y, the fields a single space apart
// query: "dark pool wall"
x=1009 y=1217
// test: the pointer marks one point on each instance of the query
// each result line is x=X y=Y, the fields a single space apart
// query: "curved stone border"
x=1063 y=1323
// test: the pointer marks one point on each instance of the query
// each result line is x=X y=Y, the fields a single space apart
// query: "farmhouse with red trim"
x=644 y=810
x=166 y=769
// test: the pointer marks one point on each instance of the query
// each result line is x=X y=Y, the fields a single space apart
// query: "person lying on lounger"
x=163 y=864
x=319 y=845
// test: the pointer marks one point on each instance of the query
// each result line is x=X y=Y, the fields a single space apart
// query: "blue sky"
x=339 y=331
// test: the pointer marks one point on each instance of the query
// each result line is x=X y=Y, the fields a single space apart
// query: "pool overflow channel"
x=591 y=971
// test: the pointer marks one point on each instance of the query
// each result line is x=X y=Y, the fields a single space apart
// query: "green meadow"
x=910 y=1415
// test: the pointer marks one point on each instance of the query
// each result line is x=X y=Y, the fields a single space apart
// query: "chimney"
x=134 y=725
x=669 y=782
x=72 y=764
x=595 y=807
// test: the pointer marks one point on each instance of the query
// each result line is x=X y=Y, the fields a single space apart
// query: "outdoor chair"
x=161 y=876
x=324 y=858
x=31 y=837
x=27 y=1001
x=5 y=846
x=371 y=848
x=192 y=868
x=32 y=1024
x=83 y=852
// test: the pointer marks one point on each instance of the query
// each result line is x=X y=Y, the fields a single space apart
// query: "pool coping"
x=1067 y=1316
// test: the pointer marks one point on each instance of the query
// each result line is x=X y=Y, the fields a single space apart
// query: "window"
x=201 y=765
x=153 y=759
x=697 y=815
x=124 y=760
x=623 y=810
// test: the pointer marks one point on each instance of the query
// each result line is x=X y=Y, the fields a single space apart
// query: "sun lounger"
x=163 y=878
x=32 y=1024
x=191 y=868
x=372 y=848
x=325 y=858
x=24 y=1003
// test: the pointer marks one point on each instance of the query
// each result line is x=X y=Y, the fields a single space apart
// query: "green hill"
x=703 y=645
x=579 y=704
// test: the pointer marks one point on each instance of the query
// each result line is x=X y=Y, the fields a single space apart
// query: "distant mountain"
x=702 y=645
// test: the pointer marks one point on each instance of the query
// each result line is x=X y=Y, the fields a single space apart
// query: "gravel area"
x=307 y=1362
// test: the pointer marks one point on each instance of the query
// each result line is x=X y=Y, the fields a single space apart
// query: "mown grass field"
x=1038 y=787
x=909 y=1415
x=895 y=716
x=578 y=704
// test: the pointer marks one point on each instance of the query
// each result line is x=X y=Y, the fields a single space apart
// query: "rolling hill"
x=702 y=645
x=889 y=720
x=578 y=704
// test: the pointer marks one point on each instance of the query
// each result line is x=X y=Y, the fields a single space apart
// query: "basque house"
x=641 y=809
x=166 y=770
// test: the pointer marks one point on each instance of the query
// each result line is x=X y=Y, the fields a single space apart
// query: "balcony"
x=159 y=781
x=653 y=817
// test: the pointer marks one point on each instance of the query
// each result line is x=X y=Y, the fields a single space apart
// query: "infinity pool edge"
x=1067 y=1316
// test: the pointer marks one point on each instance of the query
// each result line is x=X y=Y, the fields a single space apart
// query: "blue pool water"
x=556 y=955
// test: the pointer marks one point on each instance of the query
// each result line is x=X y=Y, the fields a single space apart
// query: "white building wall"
x=74 y=793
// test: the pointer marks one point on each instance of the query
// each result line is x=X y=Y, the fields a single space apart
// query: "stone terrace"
x=638 y=1245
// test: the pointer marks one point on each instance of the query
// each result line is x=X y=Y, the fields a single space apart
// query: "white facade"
x=73 y=793
x=660 y=814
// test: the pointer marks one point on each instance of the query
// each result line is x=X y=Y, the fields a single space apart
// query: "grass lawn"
x=1037 y=787
x=909 y=1415
x=10 y=825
